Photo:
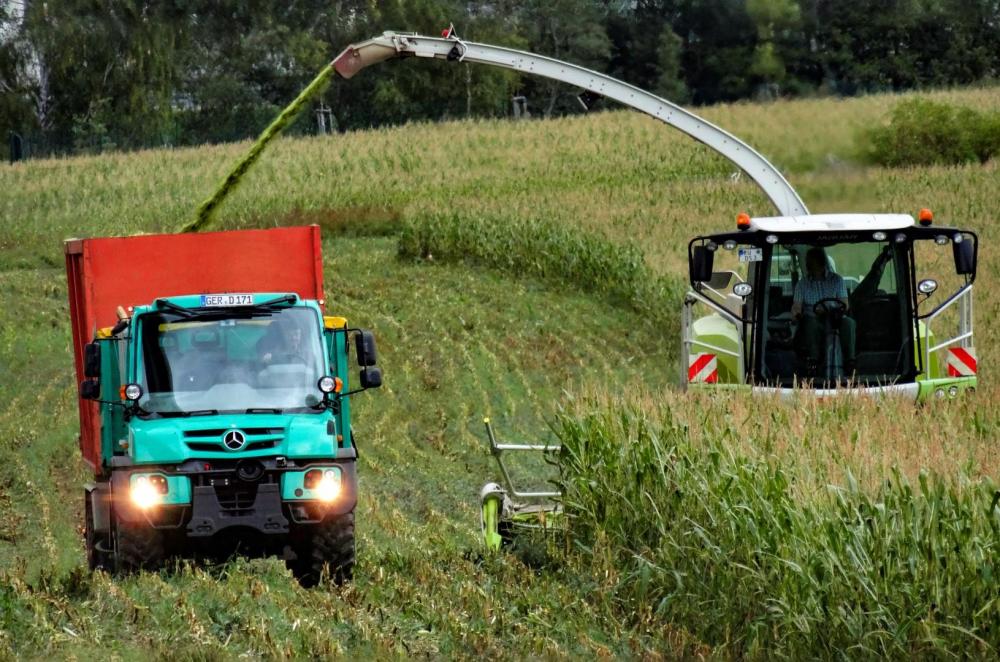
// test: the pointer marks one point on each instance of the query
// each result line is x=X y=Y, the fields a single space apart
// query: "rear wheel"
x=138 y=547
x=325 y=551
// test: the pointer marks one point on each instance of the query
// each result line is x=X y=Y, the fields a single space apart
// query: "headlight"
x=324 y=482
x=328 y=384
x=329 y=487
x=131 y=392
x=148 y=491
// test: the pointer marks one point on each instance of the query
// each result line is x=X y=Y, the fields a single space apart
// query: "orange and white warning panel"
x=962 y=362
x=703 y=369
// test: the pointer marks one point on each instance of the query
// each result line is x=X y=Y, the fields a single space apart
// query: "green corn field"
x=531 y=272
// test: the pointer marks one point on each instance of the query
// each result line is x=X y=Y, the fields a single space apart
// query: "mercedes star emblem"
x=234 y=440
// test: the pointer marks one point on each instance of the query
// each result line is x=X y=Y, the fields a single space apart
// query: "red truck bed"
x=105 y=273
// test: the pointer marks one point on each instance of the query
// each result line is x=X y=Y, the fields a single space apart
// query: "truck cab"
x=834 y=303
x=222 y=423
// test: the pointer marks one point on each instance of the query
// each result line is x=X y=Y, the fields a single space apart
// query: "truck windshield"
x=228 y=362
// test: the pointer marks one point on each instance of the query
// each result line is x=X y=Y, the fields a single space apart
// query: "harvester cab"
x=215 y=420
x=835 y=303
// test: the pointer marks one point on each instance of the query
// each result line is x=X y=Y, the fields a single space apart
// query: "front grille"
x=258 y=445
x=218 y=432
x=213 y=432
x=209 y=440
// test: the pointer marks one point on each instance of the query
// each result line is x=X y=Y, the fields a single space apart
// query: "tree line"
x=99 y=74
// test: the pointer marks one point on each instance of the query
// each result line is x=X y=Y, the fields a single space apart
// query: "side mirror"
x=371 y=377
x=701 y=264
x=92 y=360
x=90 y=389
x=965 y=257
x=364 y=344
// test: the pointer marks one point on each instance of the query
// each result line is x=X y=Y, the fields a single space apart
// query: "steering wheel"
x=830 y=305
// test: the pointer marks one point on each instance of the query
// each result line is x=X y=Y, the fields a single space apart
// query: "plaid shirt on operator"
x=810 y=291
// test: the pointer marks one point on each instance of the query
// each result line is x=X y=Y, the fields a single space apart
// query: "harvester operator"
x=820 y=283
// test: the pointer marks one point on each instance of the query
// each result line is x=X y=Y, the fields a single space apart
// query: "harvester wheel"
x=97 y=558
x=327 y=546
x=139 y=547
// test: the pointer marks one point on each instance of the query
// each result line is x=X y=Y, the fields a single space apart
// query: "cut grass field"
x=461 y=336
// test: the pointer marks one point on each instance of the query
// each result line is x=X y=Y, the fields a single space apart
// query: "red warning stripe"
x=962 y=362
x=699 y=364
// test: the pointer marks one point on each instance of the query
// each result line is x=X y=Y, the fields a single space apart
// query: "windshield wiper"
x=264 y=410
x=287 y=299
x=183 y=414
x=174 y=308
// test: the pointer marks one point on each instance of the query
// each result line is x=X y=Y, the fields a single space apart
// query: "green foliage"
x=725 y=545
x=217 y=71
x=924 y=132
x=545 y=250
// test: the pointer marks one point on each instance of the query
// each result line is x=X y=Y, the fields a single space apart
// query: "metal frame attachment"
x=965 y=331
x=497 y=449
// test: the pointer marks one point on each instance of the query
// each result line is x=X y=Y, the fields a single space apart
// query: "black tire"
x=325 y=551
x=138 y=547
x=97 y=558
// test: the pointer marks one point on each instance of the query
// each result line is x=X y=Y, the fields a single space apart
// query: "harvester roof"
x=831 y=222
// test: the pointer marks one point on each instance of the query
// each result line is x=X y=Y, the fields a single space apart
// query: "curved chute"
x=394 y=44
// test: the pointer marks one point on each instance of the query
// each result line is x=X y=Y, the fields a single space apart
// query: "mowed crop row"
x=459 y=339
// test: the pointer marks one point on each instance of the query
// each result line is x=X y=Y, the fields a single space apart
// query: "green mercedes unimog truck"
x=214 y=400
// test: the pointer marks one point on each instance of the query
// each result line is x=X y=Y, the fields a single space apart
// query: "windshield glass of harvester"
x=231 y=362
x=837 y=311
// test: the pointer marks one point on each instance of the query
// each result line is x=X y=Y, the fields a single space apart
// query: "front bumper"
x=217 y=498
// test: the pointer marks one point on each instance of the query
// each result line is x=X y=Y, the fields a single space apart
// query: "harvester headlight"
x=900 y=237
x=730 y=244
x=328 y=384
x=958 y=238
x=940 y=240
x=939 y=393
x=927 y=286
x=148 y=491
x=952 y=391
x=878 y=236
x=771 y=238
x=131 y=392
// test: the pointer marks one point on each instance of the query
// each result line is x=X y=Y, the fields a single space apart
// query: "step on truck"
x=214 y=408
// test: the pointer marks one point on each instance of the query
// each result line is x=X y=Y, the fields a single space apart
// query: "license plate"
x=751 y=254
x=215 y=300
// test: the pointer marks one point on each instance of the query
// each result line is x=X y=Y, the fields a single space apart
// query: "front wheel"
x=138 y=546
x=325 y=550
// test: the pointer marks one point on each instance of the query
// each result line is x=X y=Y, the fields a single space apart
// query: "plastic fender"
x=716 y=330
